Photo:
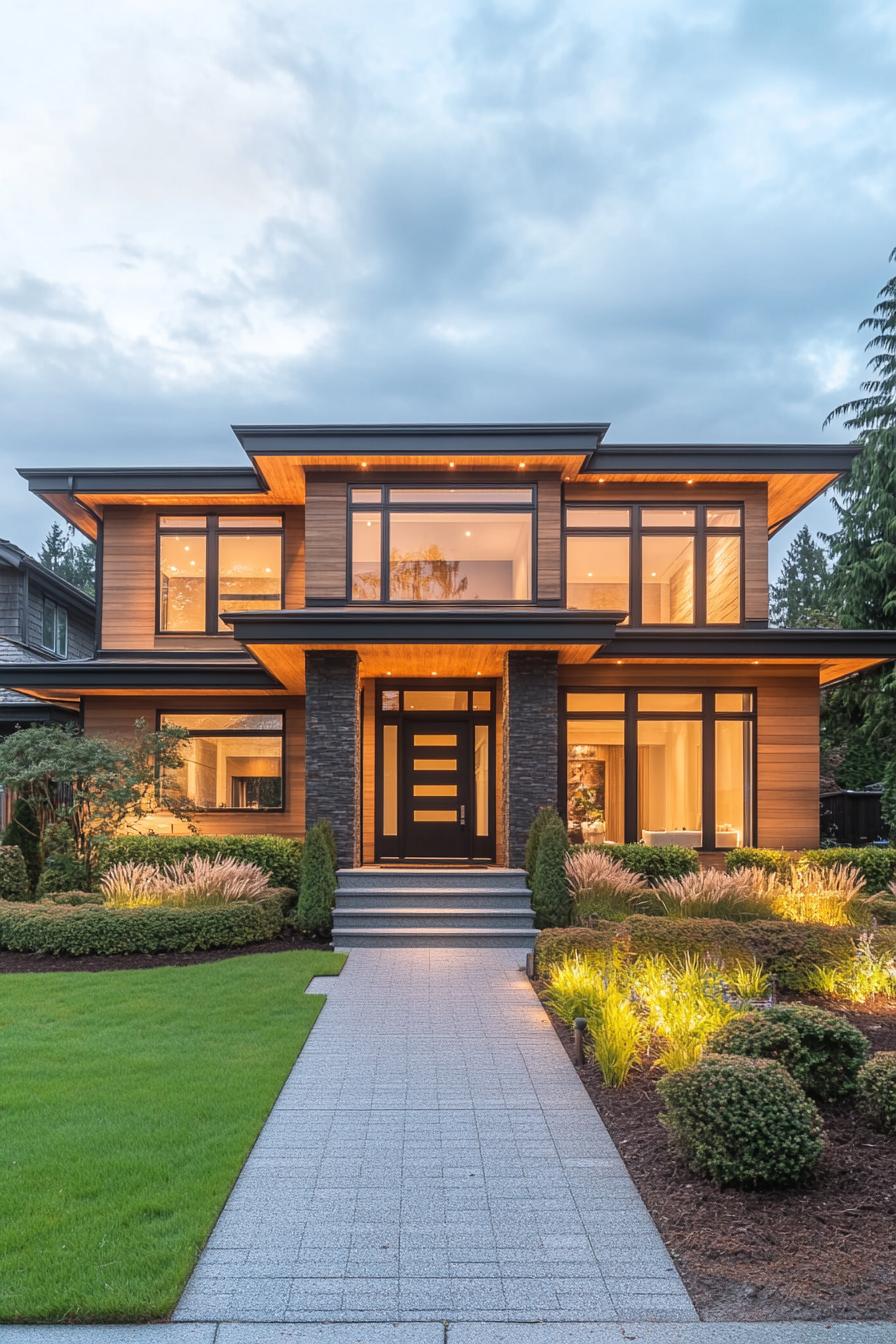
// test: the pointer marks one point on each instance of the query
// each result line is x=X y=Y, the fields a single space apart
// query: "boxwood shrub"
x=742 y=1121
x=655 y=862
x=821 y=1050
x=98 y=930
x=876 y=1091
x=14 y=883
x=786 y=950
x=279 y=856
x=770 y=860
x=877 y=864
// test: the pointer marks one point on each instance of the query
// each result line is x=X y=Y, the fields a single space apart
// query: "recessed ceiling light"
x=479 y=674
x=690 y=480
x=451 y=465
x=522 y=466
x=468 y=534
x=601 y=479
x=653 y=573
x=432 y=674
x=618 y=662
x=363 y=464
x=590 y=574
x=186 y=548
x=388 y=674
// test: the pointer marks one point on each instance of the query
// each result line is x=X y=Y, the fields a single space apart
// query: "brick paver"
x=433 y=1156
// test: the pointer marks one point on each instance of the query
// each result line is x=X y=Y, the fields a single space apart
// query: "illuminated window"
x=217 y=563
x=230 y=762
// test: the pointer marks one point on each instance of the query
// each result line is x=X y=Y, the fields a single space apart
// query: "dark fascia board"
x=42 y=711
x=139 y=480
x=102 y=674
x=418 y=440
x=754 y=643
x=736 y=458
x=339 y=625
x=54 y=584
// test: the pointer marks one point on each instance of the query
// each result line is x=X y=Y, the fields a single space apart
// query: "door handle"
x=463 y=814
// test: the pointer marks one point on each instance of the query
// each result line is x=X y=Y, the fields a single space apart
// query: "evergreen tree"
x=70 y=559
x=860 y=715
x=800 y=596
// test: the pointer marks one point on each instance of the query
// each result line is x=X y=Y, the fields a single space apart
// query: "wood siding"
x=548 y=519
x=115 y=717
x=129 y=581
x=326 y=546
x=755 y=501
x=787 y=702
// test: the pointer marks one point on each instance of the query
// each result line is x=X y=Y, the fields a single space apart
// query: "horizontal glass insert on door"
x=429 y=764
x=435 y=739
x=435 y=790
x=433 y=814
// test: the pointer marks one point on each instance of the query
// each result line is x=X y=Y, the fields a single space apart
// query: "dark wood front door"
x=436 y=801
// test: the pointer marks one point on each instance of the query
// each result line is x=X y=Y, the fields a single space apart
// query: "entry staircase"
x=432 y=907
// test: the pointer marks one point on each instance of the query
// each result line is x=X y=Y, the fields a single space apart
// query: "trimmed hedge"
x=14 y=884
x=821 y=1050
x=277 y=855
x=769 y=860
x=98 y=930
x=655 y=862
x=876 y=864
x=742 y=1121
x=785 y=950
x=876 y=1091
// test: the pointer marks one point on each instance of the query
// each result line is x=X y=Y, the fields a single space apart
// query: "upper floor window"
x=662 y=564
x=212 y=563
x=54 y=628
x=463 y=544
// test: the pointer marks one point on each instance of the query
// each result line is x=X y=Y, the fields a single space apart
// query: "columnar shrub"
x=822 y=1051
x=317 y=892
x=24 y=830
x=742 y=1121
x=550 y=892
x=543 y=816
x=876 y=1091
x=14 y=885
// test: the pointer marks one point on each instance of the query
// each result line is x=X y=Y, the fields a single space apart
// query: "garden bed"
x=824 y=1251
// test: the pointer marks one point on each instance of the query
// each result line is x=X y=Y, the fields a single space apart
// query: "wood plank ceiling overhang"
x=836 y=654
x=410 y=642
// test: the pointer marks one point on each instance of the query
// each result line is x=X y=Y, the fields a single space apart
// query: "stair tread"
x=441 y=910
x=406 y=930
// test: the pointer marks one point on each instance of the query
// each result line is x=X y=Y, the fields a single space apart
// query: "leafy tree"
x=70 y=559
x=93 y=786
x=860 y=715
x=800 y=596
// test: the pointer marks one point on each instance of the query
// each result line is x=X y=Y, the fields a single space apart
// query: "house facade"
x=425 y=633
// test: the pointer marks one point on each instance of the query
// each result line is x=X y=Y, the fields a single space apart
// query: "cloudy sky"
x=669 y=216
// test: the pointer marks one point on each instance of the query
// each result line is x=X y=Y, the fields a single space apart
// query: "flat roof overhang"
x=836 y=654
x=112 y=676
x=410 y=642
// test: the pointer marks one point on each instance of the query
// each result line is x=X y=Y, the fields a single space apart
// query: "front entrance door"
x=436 y=795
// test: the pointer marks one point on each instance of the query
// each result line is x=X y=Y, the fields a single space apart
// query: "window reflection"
x=182 y=588
x=466 y=557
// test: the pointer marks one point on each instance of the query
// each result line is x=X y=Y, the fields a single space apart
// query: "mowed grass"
x=128 y=1103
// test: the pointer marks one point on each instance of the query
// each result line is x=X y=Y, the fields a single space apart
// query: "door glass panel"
x=667 y=518
x=667 y=580
x=435 y=739
x=438 y=700
x=670 y=782
x=481 y=777
x=673 y=702
x=435 y=790
x=597 y=517
x=597 y=701
x=460 y=557
x=366 y=560
x=446 y=764
x=390 y=701
x=597 y=573
x=734 y=783
x=722 y=580
x=390 y=779
x=595 y=780
x=182 y=582
x=431 y=814
x=482 y=700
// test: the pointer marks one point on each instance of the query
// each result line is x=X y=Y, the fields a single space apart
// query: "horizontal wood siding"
x=116 y=716
x=787 y=735
x=548 y=523
x=325 y=539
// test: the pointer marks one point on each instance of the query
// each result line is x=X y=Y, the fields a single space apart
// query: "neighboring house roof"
x=16 y=558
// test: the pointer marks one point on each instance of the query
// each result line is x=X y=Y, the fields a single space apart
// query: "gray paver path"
x=433 y=1156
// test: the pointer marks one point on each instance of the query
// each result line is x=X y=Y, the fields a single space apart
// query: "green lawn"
x=128 y=1103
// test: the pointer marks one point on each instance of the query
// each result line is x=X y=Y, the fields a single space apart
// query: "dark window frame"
x=385 y=508
x=630 y=715
x=636 y=531
x=233 y=732
x=211 y=533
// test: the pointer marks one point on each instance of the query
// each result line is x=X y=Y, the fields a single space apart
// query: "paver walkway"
x=434 y=1157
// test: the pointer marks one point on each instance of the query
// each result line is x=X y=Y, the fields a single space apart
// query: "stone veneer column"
x=332 y=748
x=530 y=744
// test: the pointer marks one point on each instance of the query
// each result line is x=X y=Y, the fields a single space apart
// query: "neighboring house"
x=424 y=633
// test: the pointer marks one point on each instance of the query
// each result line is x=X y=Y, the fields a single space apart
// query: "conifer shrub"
x=543 y=816
x=876 y=1091
x=550 y=889
x=24 y=830
x=822 y=1051
x=317 y=891
x=14 y=885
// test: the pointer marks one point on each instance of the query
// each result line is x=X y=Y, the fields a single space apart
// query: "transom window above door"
x=664 y=564
x=212 y=563
x=441 y=544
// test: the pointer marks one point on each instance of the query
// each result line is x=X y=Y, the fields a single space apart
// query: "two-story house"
x=43 y=619
x=423 y=633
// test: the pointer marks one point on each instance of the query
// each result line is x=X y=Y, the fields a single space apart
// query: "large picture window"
x=660 y=767
x=662 y=564
x=214 y=563
x=464 y=544
x=230 y=762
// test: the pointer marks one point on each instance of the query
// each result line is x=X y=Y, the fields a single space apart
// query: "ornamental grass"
x=191 y=881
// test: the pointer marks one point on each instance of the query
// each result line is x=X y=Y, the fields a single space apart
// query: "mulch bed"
x=823 y=1252
x=38 y=961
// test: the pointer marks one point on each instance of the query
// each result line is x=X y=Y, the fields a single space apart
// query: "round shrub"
x=655 y=862
x=876 y=1091
x=822 y=1051
x=14 y=884
x=742 y=1121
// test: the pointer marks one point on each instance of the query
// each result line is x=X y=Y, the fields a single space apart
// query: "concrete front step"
x=457 y=898
x=416 y=916
x=426 y=936
x=430 y=879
